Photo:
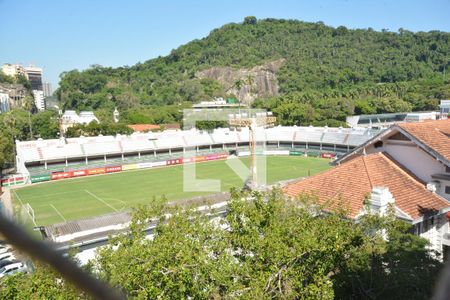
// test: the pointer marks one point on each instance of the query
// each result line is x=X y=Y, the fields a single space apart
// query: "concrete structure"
x=383 y=121
x=4 y=102
x=47 y=87
x=39 y=100
x=411 y=161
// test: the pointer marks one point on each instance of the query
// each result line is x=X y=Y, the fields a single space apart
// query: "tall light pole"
x=252 y=122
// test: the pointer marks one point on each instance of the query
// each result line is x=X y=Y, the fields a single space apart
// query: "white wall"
x=412 y=157
x=434 y=230
x=416 y=160
x=39 y=99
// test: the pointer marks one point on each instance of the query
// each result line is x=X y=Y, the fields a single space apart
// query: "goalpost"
x=30 y=212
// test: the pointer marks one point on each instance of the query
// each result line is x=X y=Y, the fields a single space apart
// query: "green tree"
x=210 y=125
x=42 y=284
x=250 y=20
x=393 y=265
x=46 y=124
x=6 y=150
x=5 y=78
x=265 y=247
x=389 y=71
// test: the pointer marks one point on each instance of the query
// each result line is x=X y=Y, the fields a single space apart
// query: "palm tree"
x=29 y=106
x=238 y=85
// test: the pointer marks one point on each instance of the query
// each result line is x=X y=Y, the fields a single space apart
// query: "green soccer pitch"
x=77 y=198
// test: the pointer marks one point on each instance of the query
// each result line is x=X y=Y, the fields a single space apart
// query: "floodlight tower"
x=252 y=122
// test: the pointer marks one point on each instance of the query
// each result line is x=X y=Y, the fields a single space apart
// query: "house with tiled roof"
x=406 y=165
x=421 y=147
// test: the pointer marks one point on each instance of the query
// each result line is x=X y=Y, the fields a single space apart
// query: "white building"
x=421 y=116
x=39 y=99
x=47 y=87
x=71 y=118
x=217 y=103
x=4 y=102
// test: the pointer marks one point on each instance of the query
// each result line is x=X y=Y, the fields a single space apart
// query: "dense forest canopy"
x=370 y=71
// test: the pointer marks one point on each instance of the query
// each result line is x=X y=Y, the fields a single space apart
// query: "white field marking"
x=116 y=199
x=57 y=211
x=17 y=196
x=123 y=202
x=101 y=200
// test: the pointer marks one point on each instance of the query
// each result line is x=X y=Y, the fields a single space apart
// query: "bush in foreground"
x=269 y=247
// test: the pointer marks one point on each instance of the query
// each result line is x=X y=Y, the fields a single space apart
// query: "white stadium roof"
x=55 y=149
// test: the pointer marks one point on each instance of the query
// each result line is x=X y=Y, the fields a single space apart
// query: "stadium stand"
x=224 y=136
x=46 y=157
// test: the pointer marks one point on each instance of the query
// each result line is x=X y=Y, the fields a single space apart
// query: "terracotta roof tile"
x=434 y=134
x=144 y=127
x=353 y=180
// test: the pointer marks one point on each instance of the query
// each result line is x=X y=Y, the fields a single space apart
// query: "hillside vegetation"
x=352 y=71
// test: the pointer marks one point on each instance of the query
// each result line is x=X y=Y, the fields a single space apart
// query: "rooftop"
x=144 y=127
x=350 y=182
x=433 y=134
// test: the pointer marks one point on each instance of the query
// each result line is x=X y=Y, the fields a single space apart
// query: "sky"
x=64 y=35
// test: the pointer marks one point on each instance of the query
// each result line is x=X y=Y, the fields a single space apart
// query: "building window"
x=447 y=169
x=447 y=189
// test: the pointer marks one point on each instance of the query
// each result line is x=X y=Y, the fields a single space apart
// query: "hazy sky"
x=64 y=35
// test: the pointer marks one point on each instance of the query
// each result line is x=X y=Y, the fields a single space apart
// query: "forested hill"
x=372 y=71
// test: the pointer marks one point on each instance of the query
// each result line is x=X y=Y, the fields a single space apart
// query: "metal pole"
x=68 y=269
x=253 y=162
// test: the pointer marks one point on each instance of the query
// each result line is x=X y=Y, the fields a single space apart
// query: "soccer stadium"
x=147 y=165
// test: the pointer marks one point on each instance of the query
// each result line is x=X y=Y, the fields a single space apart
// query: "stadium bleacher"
x=62 y=155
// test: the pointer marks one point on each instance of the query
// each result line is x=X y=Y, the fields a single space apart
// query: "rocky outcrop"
x=246 y=84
